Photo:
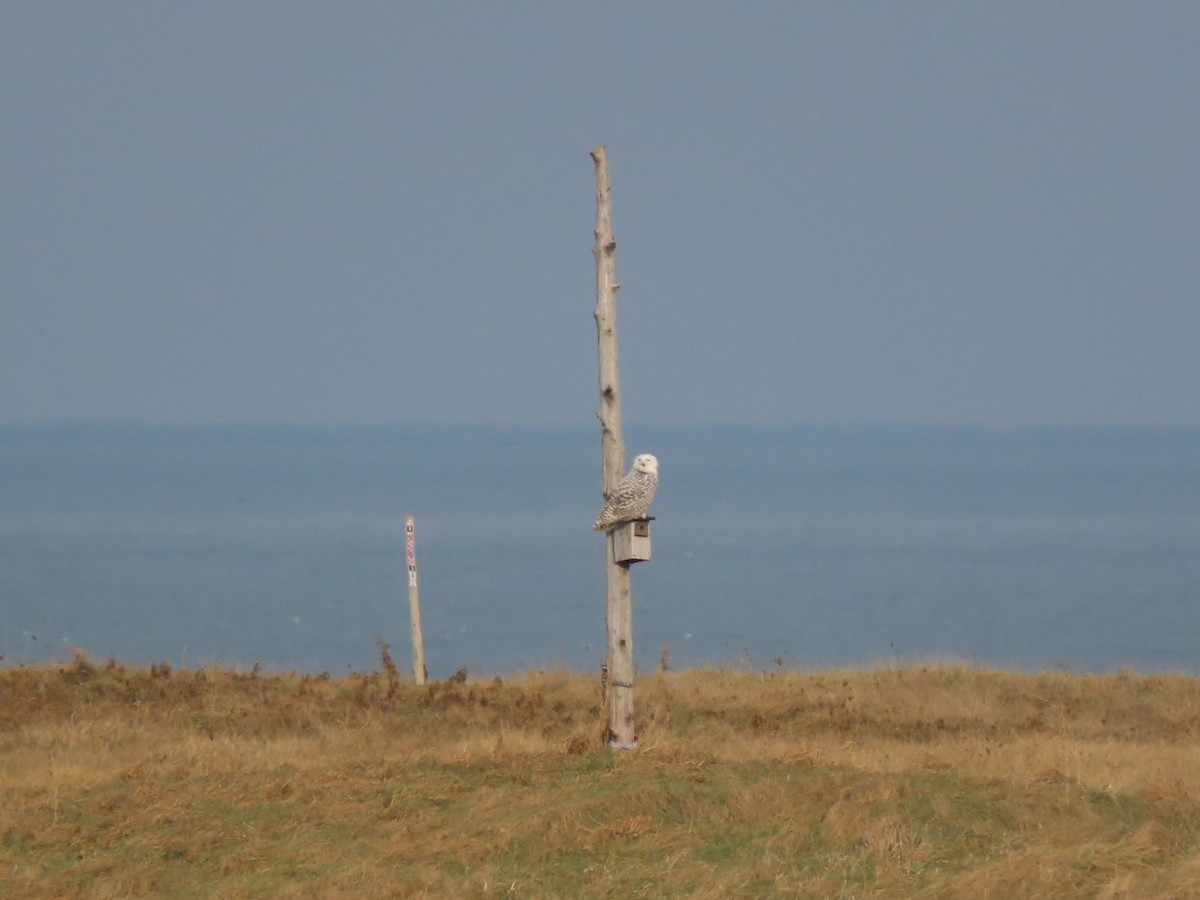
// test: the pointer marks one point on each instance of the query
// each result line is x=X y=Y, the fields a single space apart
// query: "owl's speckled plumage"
x=631 y=497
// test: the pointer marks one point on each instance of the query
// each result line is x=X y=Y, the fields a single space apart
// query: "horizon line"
x=67 y=424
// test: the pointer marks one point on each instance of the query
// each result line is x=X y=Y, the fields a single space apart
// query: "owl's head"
x=646 y=463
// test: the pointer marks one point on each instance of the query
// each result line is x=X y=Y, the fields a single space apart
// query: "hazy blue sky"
x=382 y=212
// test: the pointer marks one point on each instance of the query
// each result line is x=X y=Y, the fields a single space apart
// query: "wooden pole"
x=619 y=611
x=414 y=602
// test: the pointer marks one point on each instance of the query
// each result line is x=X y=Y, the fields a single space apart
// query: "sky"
x=945 y=213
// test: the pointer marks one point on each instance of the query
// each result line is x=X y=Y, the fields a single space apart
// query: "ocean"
x=1064 y=549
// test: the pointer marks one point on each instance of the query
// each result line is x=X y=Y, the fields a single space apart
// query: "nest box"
x=631 y=541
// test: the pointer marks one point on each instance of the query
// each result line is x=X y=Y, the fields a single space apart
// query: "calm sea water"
x=1036 y=549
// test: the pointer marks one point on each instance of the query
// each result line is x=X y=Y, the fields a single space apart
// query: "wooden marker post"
x=619 y=612
x=414 y=603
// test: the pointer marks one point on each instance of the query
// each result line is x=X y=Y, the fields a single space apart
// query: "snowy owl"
x=632 y=495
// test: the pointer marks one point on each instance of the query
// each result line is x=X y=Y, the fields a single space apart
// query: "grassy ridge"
x=939 y=781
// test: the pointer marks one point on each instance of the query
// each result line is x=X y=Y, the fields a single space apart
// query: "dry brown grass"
x=932 y=781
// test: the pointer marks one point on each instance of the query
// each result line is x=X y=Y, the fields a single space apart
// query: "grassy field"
x=931 y=781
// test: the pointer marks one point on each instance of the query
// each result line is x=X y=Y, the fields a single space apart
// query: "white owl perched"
x=631 y=497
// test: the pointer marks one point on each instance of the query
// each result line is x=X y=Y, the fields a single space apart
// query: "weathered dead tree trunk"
x=619 y=611
x=414 y=602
